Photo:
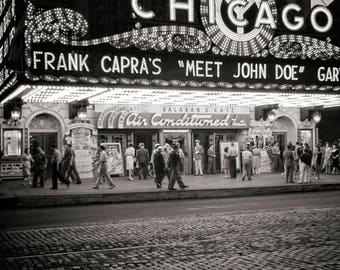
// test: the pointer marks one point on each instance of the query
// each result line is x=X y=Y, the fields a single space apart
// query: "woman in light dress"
x=256 y=159
x=327 y=160
x=226 y=162
x=26 y=160
x=130 y=155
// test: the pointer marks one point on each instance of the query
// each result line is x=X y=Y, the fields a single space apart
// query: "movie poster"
x=115 y=158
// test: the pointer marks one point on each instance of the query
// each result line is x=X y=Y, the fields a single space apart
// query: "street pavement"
x=13 y=194
x=204 y=235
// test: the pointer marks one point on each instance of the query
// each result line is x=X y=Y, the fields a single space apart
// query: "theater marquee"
x=213 y=43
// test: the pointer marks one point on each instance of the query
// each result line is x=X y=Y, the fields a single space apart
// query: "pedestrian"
x=277 y=162
x=182 y=156
x=159 y=166
x=69 y=165
x=211 y=159
x=256 y=159
x=166 y=154
x=306 y=162
x=297 y=153
x=174 y=168
x=327 y=159
x=247 y=157
x=27 y=161
x=103 y=169
x=56 y=160
x=130 y=156
x=198 y=157
x=233 y=154
x=152 y=165
x=289 y=160
x=39 y=167
x=318 y=162
x=335 y=159
x=226 y=162
x=142 y=156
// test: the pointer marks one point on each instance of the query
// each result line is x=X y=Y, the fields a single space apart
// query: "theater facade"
x=165 y=71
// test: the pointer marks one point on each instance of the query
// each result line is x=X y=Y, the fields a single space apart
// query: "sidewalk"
x=12 y=194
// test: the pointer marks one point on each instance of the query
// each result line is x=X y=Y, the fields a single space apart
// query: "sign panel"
x=115 y=158
x=212 y=41
x=174 y=118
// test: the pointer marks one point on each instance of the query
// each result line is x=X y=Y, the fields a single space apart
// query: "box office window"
x=12 y=143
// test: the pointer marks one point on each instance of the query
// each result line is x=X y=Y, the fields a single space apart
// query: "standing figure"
x=318 y=162
x=306 y=162
x=56 y=160
x=335 y=159
x=154 y=151
x=256 y=159
x=130 y=155
x=277 y=162
x=327 y=159
x=233 y=154
x=297 y=153
x=247 y=158
x=174 y=168
x=69 y=165
x=40 y=164
x=103 y=169
x=198 y=157
x=142 y=156
x=211 y=159
x=159 y=166
x=289 y=159
x=226 y=162
x=26 y=160
x=166 y=154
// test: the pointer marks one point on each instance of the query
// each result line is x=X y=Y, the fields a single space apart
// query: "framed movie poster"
x=115 y=158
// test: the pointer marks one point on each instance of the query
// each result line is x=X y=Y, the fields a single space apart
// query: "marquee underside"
x=158 y=96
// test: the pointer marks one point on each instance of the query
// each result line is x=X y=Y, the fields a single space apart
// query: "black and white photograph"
x=169 y=134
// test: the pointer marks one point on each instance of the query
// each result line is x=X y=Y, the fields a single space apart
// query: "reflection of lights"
x=316 y=117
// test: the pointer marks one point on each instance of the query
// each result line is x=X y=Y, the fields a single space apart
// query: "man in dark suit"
x=142 y=156
x=174 y=168
x=159 y=166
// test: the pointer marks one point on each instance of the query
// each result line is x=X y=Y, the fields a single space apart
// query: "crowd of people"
x=63 y=168
x=296 y=162
x=165 y=161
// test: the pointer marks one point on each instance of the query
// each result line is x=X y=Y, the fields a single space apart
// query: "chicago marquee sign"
x=189 y=42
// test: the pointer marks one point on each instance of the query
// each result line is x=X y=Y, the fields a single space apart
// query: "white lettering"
x=299 y=21
x=189 y=6
x=329 y=74
x=262 y=19
x=316 y=26
x=251 y=71
x=140 y=12
x=49 y=62
x=36 y=60
x=102 y=63
x=286 y=72
x=82 y=62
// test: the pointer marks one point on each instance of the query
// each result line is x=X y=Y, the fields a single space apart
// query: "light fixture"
x=271 y=115
x=15 y=114
x=82 y=113
x=317 y=117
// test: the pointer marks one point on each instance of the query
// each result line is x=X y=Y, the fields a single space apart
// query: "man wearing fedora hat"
x=142 y=156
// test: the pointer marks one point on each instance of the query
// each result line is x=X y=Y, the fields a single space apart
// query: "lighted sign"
x=197 y=40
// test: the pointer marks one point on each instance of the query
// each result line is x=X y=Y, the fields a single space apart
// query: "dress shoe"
x=111 y=186
x=172 y=189
x=78 y=182
x=243 y=178
x=184 y=187
x=95 y=187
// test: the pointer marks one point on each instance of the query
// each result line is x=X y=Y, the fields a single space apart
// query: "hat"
x=141 y=144
x=156 y=145
x=159 y=148
x=197 y=141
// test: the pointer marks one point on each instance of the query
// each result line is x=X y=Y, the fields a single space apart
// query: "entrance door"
x=222 y=137
x=44 y=140
x=281 y=138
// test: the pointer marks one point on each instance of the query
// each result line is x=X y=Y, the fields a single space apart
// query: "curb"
x=83 y=199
